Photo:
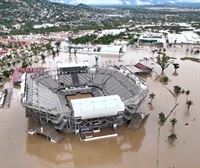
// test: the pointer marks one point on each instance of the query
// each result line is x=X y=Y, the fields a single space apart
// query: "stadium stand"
x=46 y=96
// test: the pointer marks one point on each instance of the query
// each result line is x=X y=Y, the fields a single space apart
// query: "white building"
x=149 y=38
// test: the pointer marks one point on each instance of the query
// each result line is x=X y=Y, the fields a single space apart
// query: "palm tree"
x=182 y=91
x=172 y=137
x=177 y=90
x=176 y=66
x=187 y=93
x=151 y=97
x=165 y=79
x=162 y=117
x=189 y=103
x=173 y=122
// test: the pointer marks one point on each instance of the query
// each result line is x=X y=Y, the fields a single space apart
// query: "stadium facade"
x=79 y=99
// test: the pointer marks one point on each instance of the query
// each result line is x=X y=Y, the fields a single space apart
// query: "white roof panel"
x=97 y=107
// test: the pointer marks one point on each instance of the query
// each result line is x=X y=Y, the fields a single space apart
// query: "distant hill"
x=127 y=2
x=84 y=6
x=27 y=13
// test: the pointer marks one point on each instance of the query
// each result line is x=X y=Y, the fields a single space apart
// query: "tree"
x=6 y=74
x=173 y=121
x=151 y=97
x=187 y=93
x=84 y=39
x=182 y=91
x=176 y=93
x=48 y=46
x=24 y=64
x=172 y=137
x=176 y=66
x=189 y=103
x=8 y=64
x=2 y=63
x=177 y=90
x=162 y=117
x=165 y=79
x=163 y=61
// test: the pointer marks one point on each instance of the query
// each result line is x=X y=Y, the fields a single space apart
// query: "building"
x=82 y=100
x=149 y=38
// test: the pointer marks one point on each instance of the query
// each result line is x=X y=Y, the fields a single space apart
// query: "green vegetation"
x=151 y=97
x=27 y=13
x=6 y=73
x=165 y=79
x=189 y=103
x=27 y=29
x=187 y=94
x=173 y=121
x=84 y=39
x=172 y=137
x=106 y=39
x=176 y=66
x=177 y=90
x=24 y=64
x=191 y=59
x=163 y=61
x=182 y=91
x=134 y=39
x=162 y=118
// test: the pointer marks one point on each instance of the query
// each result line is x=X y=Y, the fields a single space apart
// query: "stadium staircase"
x=75 y=79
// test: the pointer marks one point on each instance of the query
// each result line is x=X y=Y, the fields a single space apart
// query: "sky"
x=127 y=2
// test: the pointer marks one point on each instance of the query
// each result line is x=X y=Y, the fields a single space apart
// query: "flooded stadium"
x=146 y=147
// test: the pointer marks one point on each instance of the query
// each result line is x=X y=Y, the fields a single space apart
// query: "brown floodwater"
x=146 y=147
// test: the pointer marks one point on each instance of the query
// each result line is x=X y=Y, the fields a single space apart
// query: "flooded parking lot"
x=146 y=147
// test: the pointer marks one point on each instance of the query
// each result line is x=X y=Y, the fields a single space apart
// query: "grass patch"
x=191 y=59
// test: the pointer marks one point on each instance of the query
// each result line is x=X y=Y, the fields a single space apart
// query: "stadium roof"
x=97 y=107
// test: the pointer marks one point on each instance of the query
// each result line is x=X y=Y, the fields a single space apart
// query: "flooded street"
x=146 y=147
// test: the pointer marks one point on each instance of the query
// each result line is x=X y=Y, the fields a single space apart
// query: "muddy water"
x=145 y=148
